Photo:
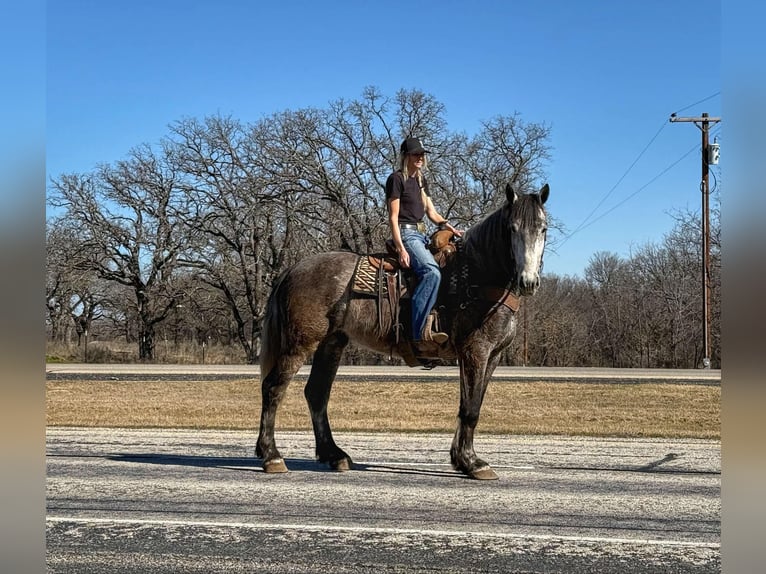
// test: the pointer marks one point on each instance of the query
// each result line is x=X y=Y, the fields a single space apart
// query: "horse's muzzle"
x=528 y=285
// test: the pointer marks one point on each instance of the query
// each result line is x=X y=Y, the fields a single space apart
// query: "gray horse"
x=312 y=310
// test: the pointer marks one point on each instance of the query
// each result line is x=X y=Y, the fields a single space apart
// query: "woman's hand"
x=448 y=225
x=404 y=258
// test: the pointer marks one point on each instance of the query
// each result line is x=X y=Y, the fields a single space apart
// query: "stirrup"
x=439 y=338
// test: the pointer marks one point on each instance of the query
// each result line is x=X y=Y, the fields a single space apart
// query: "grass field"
x=635 y=410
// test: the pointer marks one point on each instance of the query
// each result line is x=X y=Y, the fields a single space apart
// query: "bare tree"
x=554 y=324
x=74 y=296
x=130 y=218
x=60 y=242
x=607 y=276
x=238 y=223
x=329 y=163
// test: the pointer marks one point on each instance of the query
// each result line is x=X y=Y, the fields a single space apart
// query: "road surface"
x=187 y=501
x=61 y=371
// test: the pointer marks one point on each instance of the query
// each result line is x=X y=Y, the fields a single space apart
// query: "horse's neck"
x=488 y=252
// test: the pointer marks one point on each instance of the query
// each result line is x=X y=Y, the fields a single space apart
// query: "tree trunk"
x=54 y=324
x=146 y=343
x=145 y=326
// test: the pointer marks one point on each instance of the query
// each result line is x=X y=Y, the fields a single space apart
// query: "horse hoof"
x=484 y=473
x=341 y=465
x=274 y=466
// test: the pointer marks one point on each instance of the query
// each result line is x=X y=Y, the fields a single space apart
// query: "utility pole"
x=703 y=123
x=524 y=315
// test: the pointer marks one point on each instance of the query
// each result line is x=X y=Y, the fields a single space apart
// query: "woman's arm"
x=434 y=216
x=393 y=222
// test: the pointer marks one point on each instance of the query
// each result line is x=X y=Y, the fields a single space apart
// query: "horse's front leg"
x=475 y=372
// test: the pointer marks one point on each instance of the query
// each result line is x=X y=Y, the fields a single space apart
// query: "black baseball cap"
x=412 y=145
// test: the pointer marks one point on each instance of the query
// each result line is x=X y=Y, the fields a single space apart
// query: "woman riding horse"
x=312 y=314
x=408 y=201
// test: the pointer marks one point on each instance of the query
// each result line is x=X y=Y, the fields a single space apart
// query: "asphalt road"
x=63 y=371
x=178 y=501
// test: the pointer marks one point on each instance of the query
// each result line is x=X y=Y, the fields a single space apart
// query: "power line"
x=586 y=223
x=642 y=188
x=710 y=97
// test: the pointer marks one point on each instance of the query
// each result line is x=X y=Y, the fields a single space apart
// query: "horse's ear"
x=544 y=192
x=510 y=194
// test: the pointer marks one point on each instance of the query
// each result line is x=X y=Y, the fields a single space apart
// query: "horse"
x=312 y=310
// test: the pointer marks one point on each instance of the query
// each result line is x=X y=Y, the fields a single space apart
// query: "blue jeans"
x=428 y=279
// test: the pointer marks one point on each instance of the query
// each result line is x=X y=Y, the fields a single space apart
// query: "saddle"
x=442 y=247
x=380 y=275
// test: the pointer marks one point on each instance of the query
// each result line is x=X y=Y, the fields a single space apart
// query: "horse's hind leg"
x=273 y=389
x=317 y=392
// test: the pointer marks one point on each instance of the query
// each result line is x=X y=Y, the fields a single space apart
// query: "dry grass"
x=683 y=411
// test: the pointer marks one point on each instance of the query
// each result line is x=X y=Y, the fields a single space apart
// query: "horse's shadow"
x=245 y=464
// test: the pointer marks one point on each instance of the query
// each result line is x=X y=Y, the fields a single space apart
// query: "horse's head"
x=529 y=224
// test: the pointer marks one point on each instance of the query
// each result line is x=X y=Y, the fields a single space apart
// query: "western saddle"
x=379 y=275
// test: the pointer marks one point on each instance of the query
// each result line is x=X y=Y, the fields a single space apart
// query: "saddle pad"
x=365 y=279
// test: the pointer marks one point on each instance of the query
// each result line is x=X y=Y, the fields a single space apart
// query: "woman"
x=408 y=201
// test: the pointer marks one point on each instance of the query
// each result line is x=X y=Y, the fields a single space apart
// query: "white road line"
x=380 y=530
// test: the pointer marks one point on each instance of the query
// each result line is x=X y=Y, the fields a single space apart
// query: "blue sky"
x=604 y=75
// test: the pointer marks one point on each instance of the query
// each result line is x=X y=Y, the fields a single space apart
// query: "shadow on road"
x=310 y=465
x=223 y=462
x=404 y=470
x=253 y=464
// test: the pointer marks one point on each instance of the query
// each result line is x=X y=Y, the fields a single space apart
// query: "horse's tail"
x=273 y=327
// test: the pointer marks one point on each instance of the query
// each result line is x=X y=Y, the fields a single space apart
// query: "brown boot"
x=436 y=336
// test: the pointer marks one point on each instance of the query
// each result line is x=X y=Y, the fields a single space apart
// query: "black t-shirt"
x=411 y=208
